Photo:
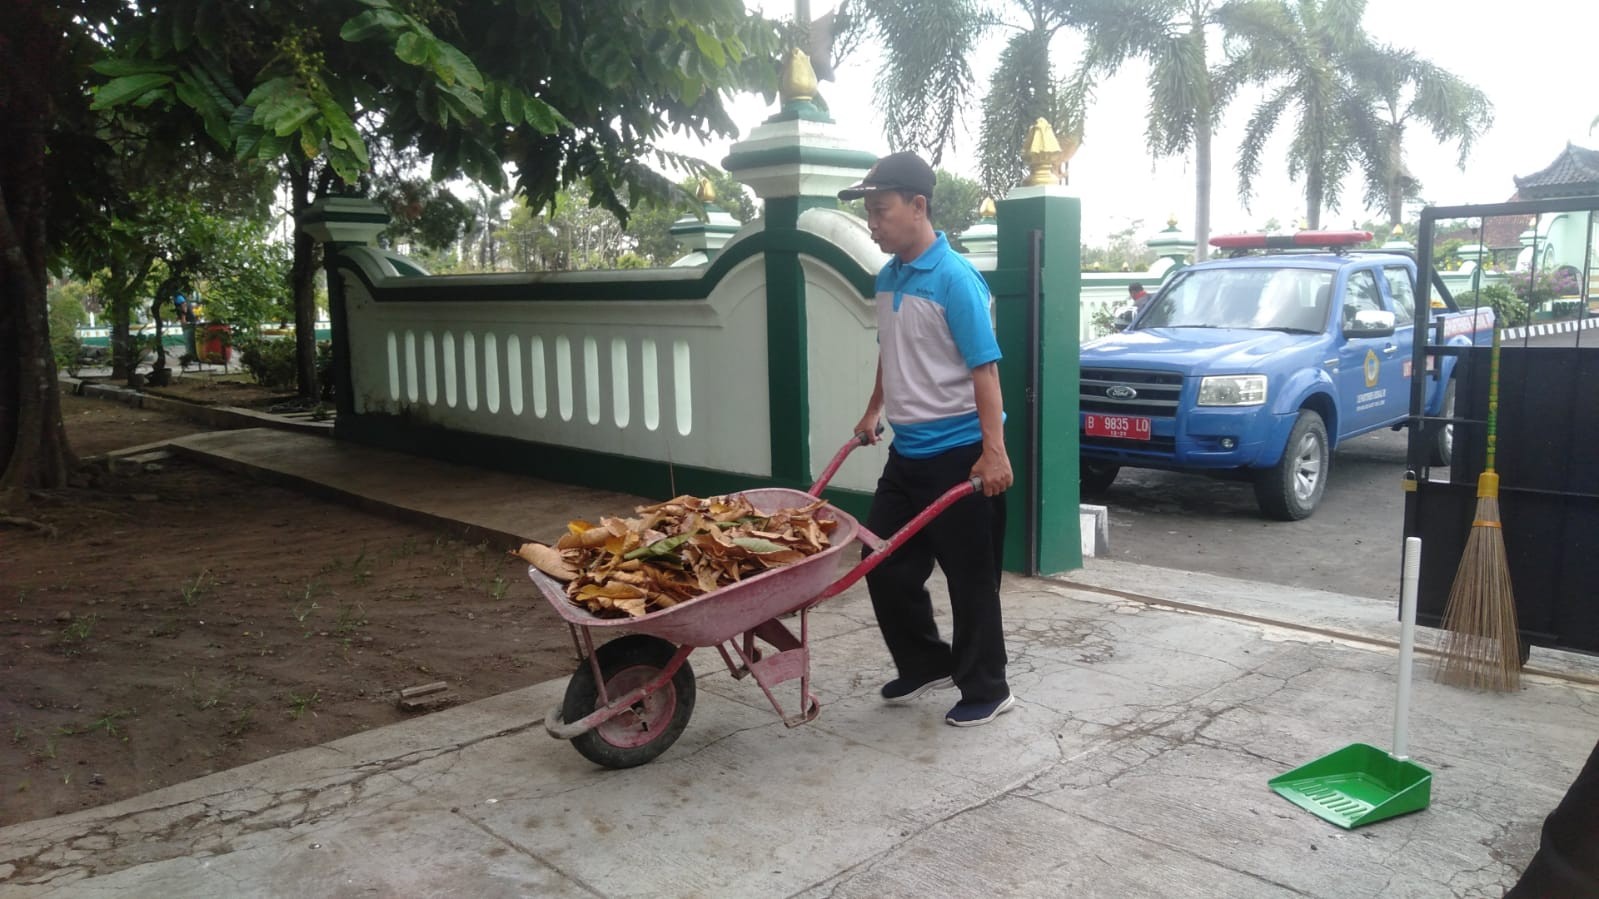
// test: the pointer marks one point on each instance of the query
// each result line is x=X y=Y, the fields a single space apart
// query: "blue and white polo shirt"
x=934 y=325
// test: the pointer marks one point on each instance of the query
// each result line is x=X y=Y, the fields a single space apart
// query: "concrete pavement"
x=1153 y=707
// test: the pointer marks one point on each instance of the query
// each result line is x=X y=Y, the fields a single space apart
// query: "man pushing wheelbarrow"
x=938 y=385
x=939 y=500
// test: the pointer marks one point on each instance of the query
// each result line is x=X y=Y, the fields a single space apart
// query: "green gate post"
x=1052 y=209
x=796 y=160
x=336 y=223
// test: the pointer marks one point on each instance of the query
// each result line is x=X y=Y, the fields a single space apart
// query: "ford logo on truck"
x=1121 y=392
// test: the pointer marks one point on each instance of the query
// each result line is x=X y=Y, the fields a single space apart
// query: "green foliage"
x=650 y=225
x=422 y=212
x=1351 y=100
x=271 y=362
x=1509 y=310
x=67 y=312
x=1022 y=90
x=246 y=280
x=955 y=202
x=1124 y=252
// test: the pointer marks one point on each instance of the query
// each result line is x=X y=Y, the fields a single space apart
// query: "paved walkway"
x=1153 y=706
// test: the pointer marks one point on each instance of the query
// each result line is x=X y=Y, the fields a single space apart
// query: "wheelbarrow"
x=630 y=699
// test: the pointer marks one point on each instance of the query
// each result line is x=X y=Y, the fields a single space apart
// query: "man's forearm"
x=990 y=406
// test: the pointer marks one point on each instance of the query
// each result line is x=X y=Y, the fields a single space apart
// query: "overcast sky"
x=1532 y=59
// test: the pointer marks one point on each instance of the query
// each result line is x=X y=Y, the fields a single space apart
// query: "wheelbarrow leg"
x=792 y=660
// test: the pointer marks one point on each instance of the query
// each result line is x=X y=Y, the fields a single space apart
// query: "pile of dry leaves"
x=676 y=551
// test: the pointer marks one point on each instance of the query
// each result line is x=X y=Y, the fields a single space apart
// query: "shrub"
x=1509 y=310
x=270 y=362
x=1562 y=282
x=324 y=368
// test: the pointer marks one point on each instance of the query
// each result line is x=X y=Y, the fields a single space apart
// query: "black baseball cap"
x=896 y=171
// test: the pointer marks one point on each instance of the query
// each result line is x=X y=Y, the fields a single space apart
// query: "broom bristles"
x=1481 y=648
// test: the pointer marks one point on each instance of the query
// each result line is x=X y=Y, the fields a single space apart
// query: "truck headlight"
x=1232 y=390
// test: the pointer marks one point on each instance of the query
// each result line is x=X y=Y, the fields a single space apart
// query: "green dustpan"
x=1360 y=784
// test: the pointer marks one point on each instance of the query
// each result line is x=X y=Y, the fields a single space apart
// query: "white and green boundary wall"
x=747 y=371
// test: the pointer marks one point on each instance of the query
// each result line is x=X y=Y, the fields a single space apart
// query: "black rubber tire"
x=1441 y=445
x=1291 y=489
x=631 y=657
x=1096 y=477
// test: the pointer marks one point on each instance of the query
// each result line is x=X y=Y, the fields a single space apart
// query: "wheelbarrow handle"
x=882 y=549
x=860 y=439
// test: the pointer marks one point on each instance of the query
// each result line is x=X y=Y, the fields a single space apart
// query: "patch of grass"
x=108 y=723
x=243 y=720
x=351 y=618
x=205 y=697
x=404 y=550
x=193 y=592
x=299 y=704
x=75 y=636
x=359 y=567
x=499 y=586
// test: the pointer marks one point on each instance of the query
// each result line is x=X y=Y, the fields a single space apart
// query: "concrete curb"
x=1547 y=328
x=468 y=531
x=226 y=418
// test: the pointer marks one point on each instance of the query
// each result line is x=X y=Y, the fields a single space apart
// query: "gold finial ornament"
x=1398 y=232
x=987 y=209
x=1171 y=220
x=1042 y=152
x=706 y=192
x=798 y=82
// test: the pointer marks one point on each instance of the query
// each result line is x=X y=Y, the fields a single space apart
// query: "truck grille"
x=1158 y=392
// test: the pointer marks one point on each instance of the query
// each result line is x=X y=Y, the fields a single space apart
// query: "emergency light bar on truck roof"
x=1299 y=240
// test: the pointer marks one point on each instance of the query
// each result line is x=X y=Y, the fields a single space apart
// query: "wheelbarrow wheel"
x=654 y=723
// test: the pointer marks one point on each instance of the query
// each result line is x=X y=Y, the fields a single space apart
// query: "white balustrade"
x=679 y=381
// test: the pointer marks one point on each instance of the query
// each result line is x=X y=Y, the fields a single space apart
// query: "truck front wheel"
x=1441 y=449
x=1096 y=477
x=1290 y=490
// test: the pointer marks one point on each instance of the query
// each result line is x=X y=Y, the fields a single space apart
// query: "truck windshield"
x=1261 y=299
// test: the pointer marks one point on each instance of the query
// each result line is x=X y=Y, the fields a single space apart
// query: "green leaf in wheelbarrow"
x=660 y=549
x=768 y=552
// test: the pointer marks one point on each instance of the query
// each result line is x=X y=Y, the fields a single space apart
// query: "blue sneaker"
x=901 y=690
x=971 y=714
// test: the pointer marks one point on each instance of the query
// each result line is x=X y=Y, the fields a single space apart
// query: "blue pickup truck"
x=1258 y=366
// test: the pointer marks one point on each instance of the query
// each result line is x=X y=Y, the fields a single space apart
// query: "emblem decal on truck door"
x=1372 y=368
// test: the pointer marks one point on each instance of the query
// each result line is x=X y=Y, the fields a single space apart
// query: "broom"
x=1481 y=648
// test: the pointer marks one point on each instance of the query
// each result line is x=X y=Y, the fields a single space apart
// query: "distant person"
x=1139 y=296
x=187 y=317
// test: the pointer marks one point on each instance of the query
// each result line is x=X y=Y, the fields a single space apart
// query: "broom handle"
x=1493 y=399
x=1407 y=644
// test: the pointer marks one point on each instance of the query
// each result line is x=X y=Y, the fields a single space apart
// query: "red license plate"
x=1121 y=427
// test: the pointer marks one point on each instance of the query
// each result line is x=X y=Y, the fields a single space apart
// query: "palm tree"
x=1186 y=90
x=1353 y=99
x=1405 y=88
x=926 y=79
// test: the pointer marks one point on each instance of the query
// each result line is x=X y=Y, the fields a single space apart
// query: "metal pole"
x=1587 y=265
x=1418 y=351
x=1035 y=261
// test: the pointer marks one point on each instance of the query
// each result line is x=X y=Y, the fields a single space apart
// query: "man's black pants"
x=966 y=542
x=1566 y=865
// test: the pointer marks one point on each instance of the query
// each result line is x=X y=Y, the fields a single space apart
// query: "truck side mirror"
x=1370 y=323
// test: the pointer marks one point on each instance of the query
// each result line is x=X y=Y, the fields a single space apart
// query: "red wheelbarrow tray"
x=718 y=616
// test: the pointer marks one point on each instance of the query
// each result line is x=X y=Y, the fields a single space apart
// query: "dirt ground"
x=182 y=621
